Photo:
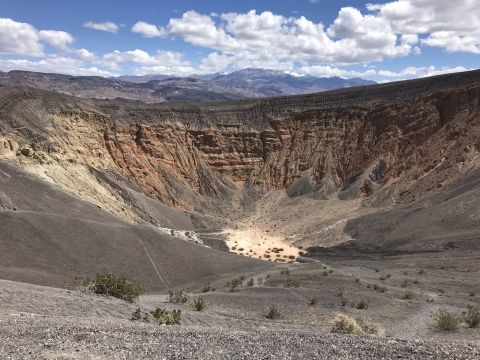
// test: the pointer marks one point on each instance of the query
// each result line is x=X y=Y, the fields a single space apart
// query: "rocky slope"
x=387 y=144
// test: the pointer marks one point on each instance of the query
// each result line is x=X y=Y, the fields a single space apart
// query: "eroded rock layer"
x=393 y=143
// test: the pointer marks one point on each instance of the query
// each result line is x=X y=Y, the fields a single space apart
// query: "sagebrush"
x=110 y=284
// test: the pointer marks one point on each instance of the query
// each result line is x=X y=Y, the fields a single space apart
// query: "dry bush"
x=346 y=324
x=472 y=316
x=446 y=321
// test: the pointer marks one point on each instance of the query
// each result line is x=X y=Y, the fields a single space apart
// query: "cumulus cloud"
x=19 y=38
x=102 y=26
x=147 y=30
x=163 y=62
x=419 y=72
x=58 y=39
x=269 y=40
x=24 y=39
x=53 y=64
x=378 y=31
x=450 y=25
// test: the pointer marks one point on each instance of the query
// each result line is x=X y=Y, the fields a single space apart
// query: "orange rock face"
x=411 y=138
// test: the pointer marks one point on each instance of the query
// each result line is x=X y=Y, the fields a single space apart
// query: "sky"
x=377 y=40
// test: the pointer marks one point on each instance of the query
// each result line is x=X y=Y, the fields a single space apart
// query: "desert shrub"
x=405 y=283
x=273 y=313
x=371 y=328
x=164 y=317
x=180 y=296
x=407 y=295
x=388 y=276
x=250 y=283
x=313 y=301
x=292 y=283
x=471 y=293
x=291 y=257
x=235 y=284
x=362 y=305
x=421 y=272
x=207 y=288
x=344 y=302
x=472 y=316
x=339 y=294
x=357 y=280
x=344 y=323
x=137 y=315
x=285 y=271
x=325 y=273
x=199 y=304
x=376 y=270
x=110 y=284
x=380 y=289
x=330 y=271
x=382 y=278
x=446 y=321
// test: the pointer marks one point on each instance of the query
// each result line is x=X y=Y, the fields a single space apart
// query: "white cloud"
x=450 y=25
x=329 y=71
x=19 y=38
x=419 y=72
x=163 y=62
x=102 y=26
x=24 y=39
x=393 y=29
x=269 y=40
x=214 y=62
x=147 y=30
x=86 y=55
x=58 y=39
x=53 y=64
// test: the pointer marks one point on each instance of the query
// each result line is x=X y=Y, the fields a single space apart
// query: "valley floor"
x=50 y=323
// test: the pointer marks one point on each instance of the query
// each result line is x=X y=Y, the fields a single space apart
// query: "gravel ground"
x=35 y=337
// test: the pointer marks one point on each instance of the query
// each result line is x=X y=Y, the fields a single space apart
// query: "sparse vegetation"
x=292 y=283
x=164 y=317
x=199 y=304
x=380 y=289
x=362 y=305
x=446 y=321
x=472 y=316
x=160 y=316
x=313 y=301
x=407 y=295
x=346 y=324
x=207 y=288
x=178 y=296
x=273 y=313
x=235 y=284
x=110 y=284
x=371 y=328
x=250 y=283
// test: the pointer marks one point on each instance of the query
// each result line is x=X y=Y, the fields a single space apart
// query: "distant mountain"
x=272 y=83
x=248 y=83
x=263 y=82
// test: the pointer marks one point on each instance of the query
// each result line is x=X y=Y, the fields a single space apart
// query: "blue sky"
x=379 y=40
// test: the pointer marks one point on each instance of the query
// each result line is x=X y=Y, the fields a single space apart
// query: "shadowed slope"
x=48 y=237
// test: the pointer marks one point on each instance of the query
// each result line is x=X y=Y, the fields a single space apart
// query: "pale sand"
x=260 y=245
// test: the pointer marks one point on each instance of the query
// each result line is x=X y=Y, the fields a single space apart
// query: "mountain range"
x=243 y=84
